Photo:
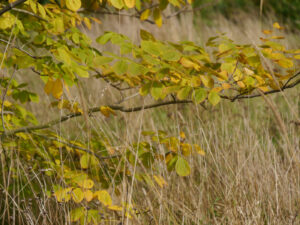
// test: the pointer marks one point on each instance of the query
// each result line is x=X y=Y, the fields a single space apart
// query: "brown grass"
x=246 y=176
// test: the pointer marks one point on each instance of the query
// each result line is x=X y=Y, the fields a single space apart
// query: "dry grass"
x=246 y=177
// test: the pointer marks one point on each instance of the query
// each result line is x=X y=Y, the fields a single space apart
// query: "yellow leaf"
x=77 y=195
x=267 y=31
x=182 y=135
x=103 y=197
x=207 y=81
x=189 y=64
x=214 y=98
x=157 y=17
x=226 y=86
x=241 y=84
x=63 y=195
x=54 y=87
x=106 y=111
x=115 y=208
x=129 y=3
x=160 y=180
x=199 y=150
x=42 y=11
x=145 y=14
x=73 y=5
x=86 y=183
x=297 y=56
x=285 y=63
x=248 y=72
x=277 y=26
x=87 y=22
x=88 y=195
x=96 y=20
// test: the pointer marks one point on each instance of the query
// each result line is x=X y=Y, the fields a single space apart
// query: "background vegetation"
x=247 y=170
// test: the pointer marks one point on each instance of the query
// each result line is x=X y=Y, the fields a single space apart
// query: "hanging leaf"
x=85 y=161
x=85 y=183
x=182 y=167
x=184 y=93
x=77 y=213
x=88 y=195
x=104 y=197
x=157 y=90
x=107 y=111
x=214 y=98
x=200 y=95
x=77 y=195
x=157 y=17
x=117 y=4
x=160 y=180
x=129 y=3
x=73 y=5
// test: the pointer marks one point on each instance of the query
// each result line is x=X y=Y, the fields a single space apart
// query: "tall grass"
x=251 y=171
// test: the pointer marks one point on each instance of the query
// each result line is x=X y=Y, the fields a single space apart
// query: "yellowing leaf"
x=107 y=111
x=7 y=20
x=267 y=31
x=207 y=80
x=115 y=208
x=157 y=90
x=87 y=22
x=184 y=93
x=117 y=4
x=85 y=161
x=277 y=26
x=54 y=87
x=199 y=150
x=77 y=195
x=188 y=63
x=129 y=3
x=63 y=195
x=103 y=197
x=226 y=86
x=145 y=14
x=42 y=11
x=160 y=181
x=157 y=17
x=285 y=63
x=88 y=195
x=214 y=98
x=200 y=95
x=182 y=167
x=73 y=5
x=86 y=183
x=77 y=213
x=297 y=56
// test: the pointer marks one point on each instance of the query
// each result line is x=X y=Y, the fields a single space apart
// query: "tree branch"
x=11 y=6
x=20 y=49
x=90 y=111
x=285 y=86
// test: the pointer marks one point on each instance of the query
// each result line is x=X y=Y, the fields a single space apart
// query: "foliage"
x=57 y=51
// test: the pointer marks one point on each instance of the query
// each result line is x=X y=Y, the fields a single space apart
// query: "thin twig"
x=22 y=50
x=11 y=6
x=29 y=13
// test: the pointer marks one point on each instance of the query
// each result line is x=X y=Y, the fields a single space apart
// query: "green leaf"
x=103 y=39
x=184 y=92
x=120 y=67
x=77 y=213
x=119 y=4
x=101 y=60
x=146 y=36
x=182 y=167
x=214 y=98
x=200 y=95
x=135 y=69
x=157 y=90
x=150 y=47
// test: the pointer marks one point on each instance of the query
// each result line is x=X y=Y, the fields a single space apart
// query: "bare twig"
x=11 y=6
x=29 y=13
x=22 y=50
